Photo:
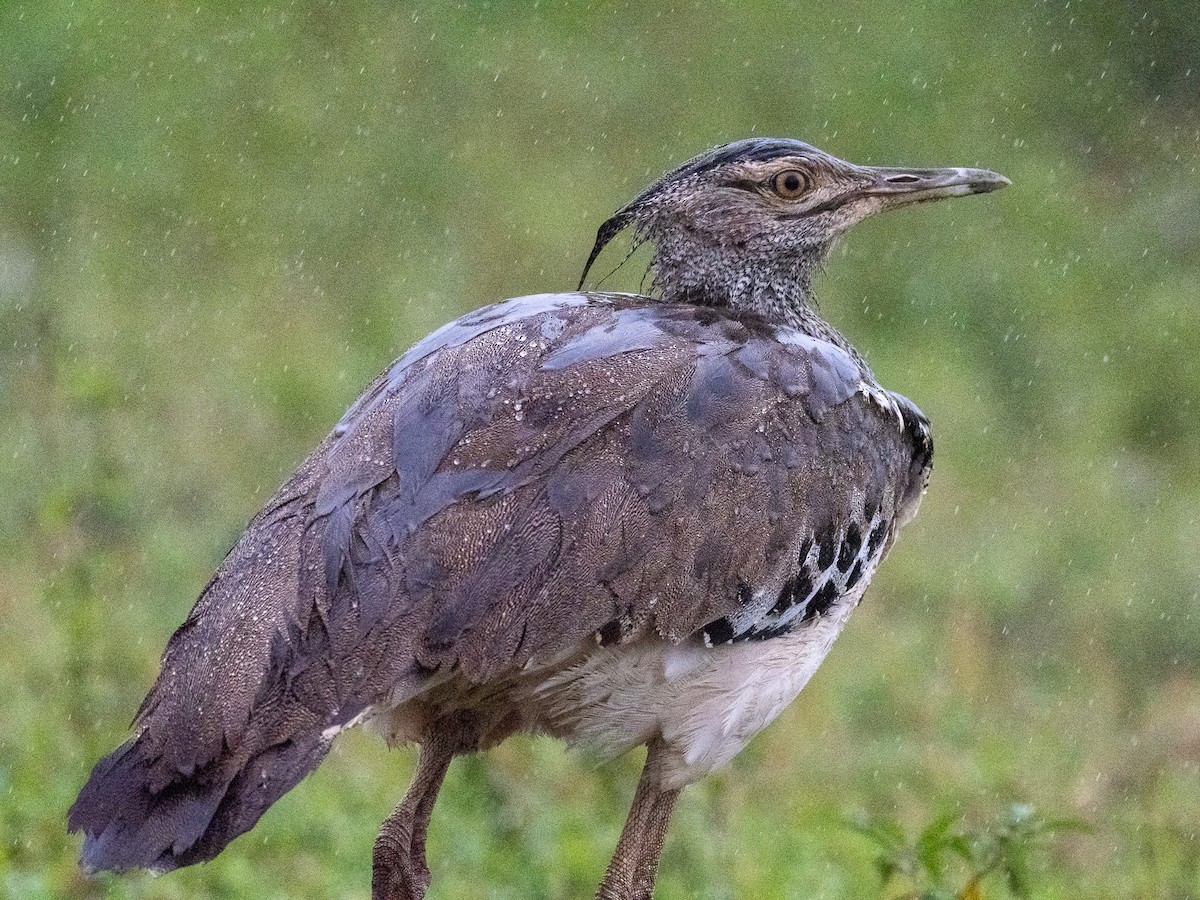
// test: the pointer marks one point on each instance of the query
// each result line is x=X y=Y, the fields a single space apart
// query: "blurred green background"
x=219 y=220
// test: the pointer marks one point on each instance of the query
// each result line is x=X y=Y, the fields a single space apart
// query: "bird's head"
x=748 y=223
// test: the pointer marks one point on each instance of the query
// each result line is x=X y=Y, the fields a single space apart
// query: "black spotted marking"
x=771 y=632
x=855 y=575
x=718 y=632
x=828 y=548
x=916 y=429
x=804 y=585
x=851 y=544
x=822 y=600
x=610 y=634
x=842 y=562
x=878 y=536
x=744 y=593
x=787 y=596
x=870 y=507
x=795 y=590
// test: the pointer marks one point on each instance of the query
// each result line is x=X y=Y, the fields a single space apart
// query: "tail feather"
x=127 y=823
x=270 y=664
x=262 y=781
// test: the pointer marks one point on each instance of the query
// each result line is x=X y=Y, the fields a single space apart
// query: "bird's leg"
x=630 y=874
x=398 y=869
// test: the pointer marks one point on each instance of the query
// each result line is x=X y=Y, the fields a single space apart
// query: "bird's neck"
x=776 y=285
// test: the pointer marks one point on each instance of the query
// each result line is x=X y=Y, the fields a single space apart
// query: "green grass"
x=219 y=221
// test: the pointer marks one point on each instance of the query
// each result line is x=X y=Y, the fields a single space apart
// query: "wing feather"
x=536 y=475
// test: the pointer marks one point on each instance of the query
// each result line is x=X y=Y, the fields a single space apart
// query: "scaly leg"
x=631 y=873
x=398 y=869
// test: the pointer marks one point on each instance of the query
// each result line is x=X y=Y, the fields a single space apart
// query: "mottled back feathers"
x=542 y=475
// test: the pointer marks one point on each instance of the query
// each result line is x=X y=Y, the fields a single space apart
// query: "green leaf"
x=933 y=843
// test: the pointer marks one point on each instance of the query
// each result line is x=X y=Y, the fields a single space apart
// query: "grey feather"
x=537 y=479
x=519 y=480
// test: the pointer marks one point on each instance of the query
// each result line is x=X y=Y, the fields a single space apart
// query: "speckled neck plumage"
x=777 y=286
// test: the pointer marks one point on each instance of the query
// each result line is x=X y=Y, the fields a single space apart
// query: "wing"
x=612 y=472
x=543 y=473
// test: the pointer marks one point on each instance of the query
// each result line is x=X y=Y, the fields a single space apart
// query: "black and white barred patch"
x=831 y=564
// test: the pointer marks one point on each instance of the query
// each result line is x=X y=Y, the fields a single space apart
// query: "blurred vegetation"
x=948 y=861
x=219 y=220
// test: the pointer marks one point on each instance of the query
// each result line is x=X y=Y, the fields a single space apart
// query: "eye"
x=791 y=183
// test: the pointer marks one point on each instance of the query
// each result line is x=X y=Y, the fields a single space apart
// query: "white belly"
x=705 y=702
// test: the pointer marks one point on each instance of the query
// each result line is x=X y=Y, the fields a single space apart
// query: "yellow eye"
x=791 y=183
